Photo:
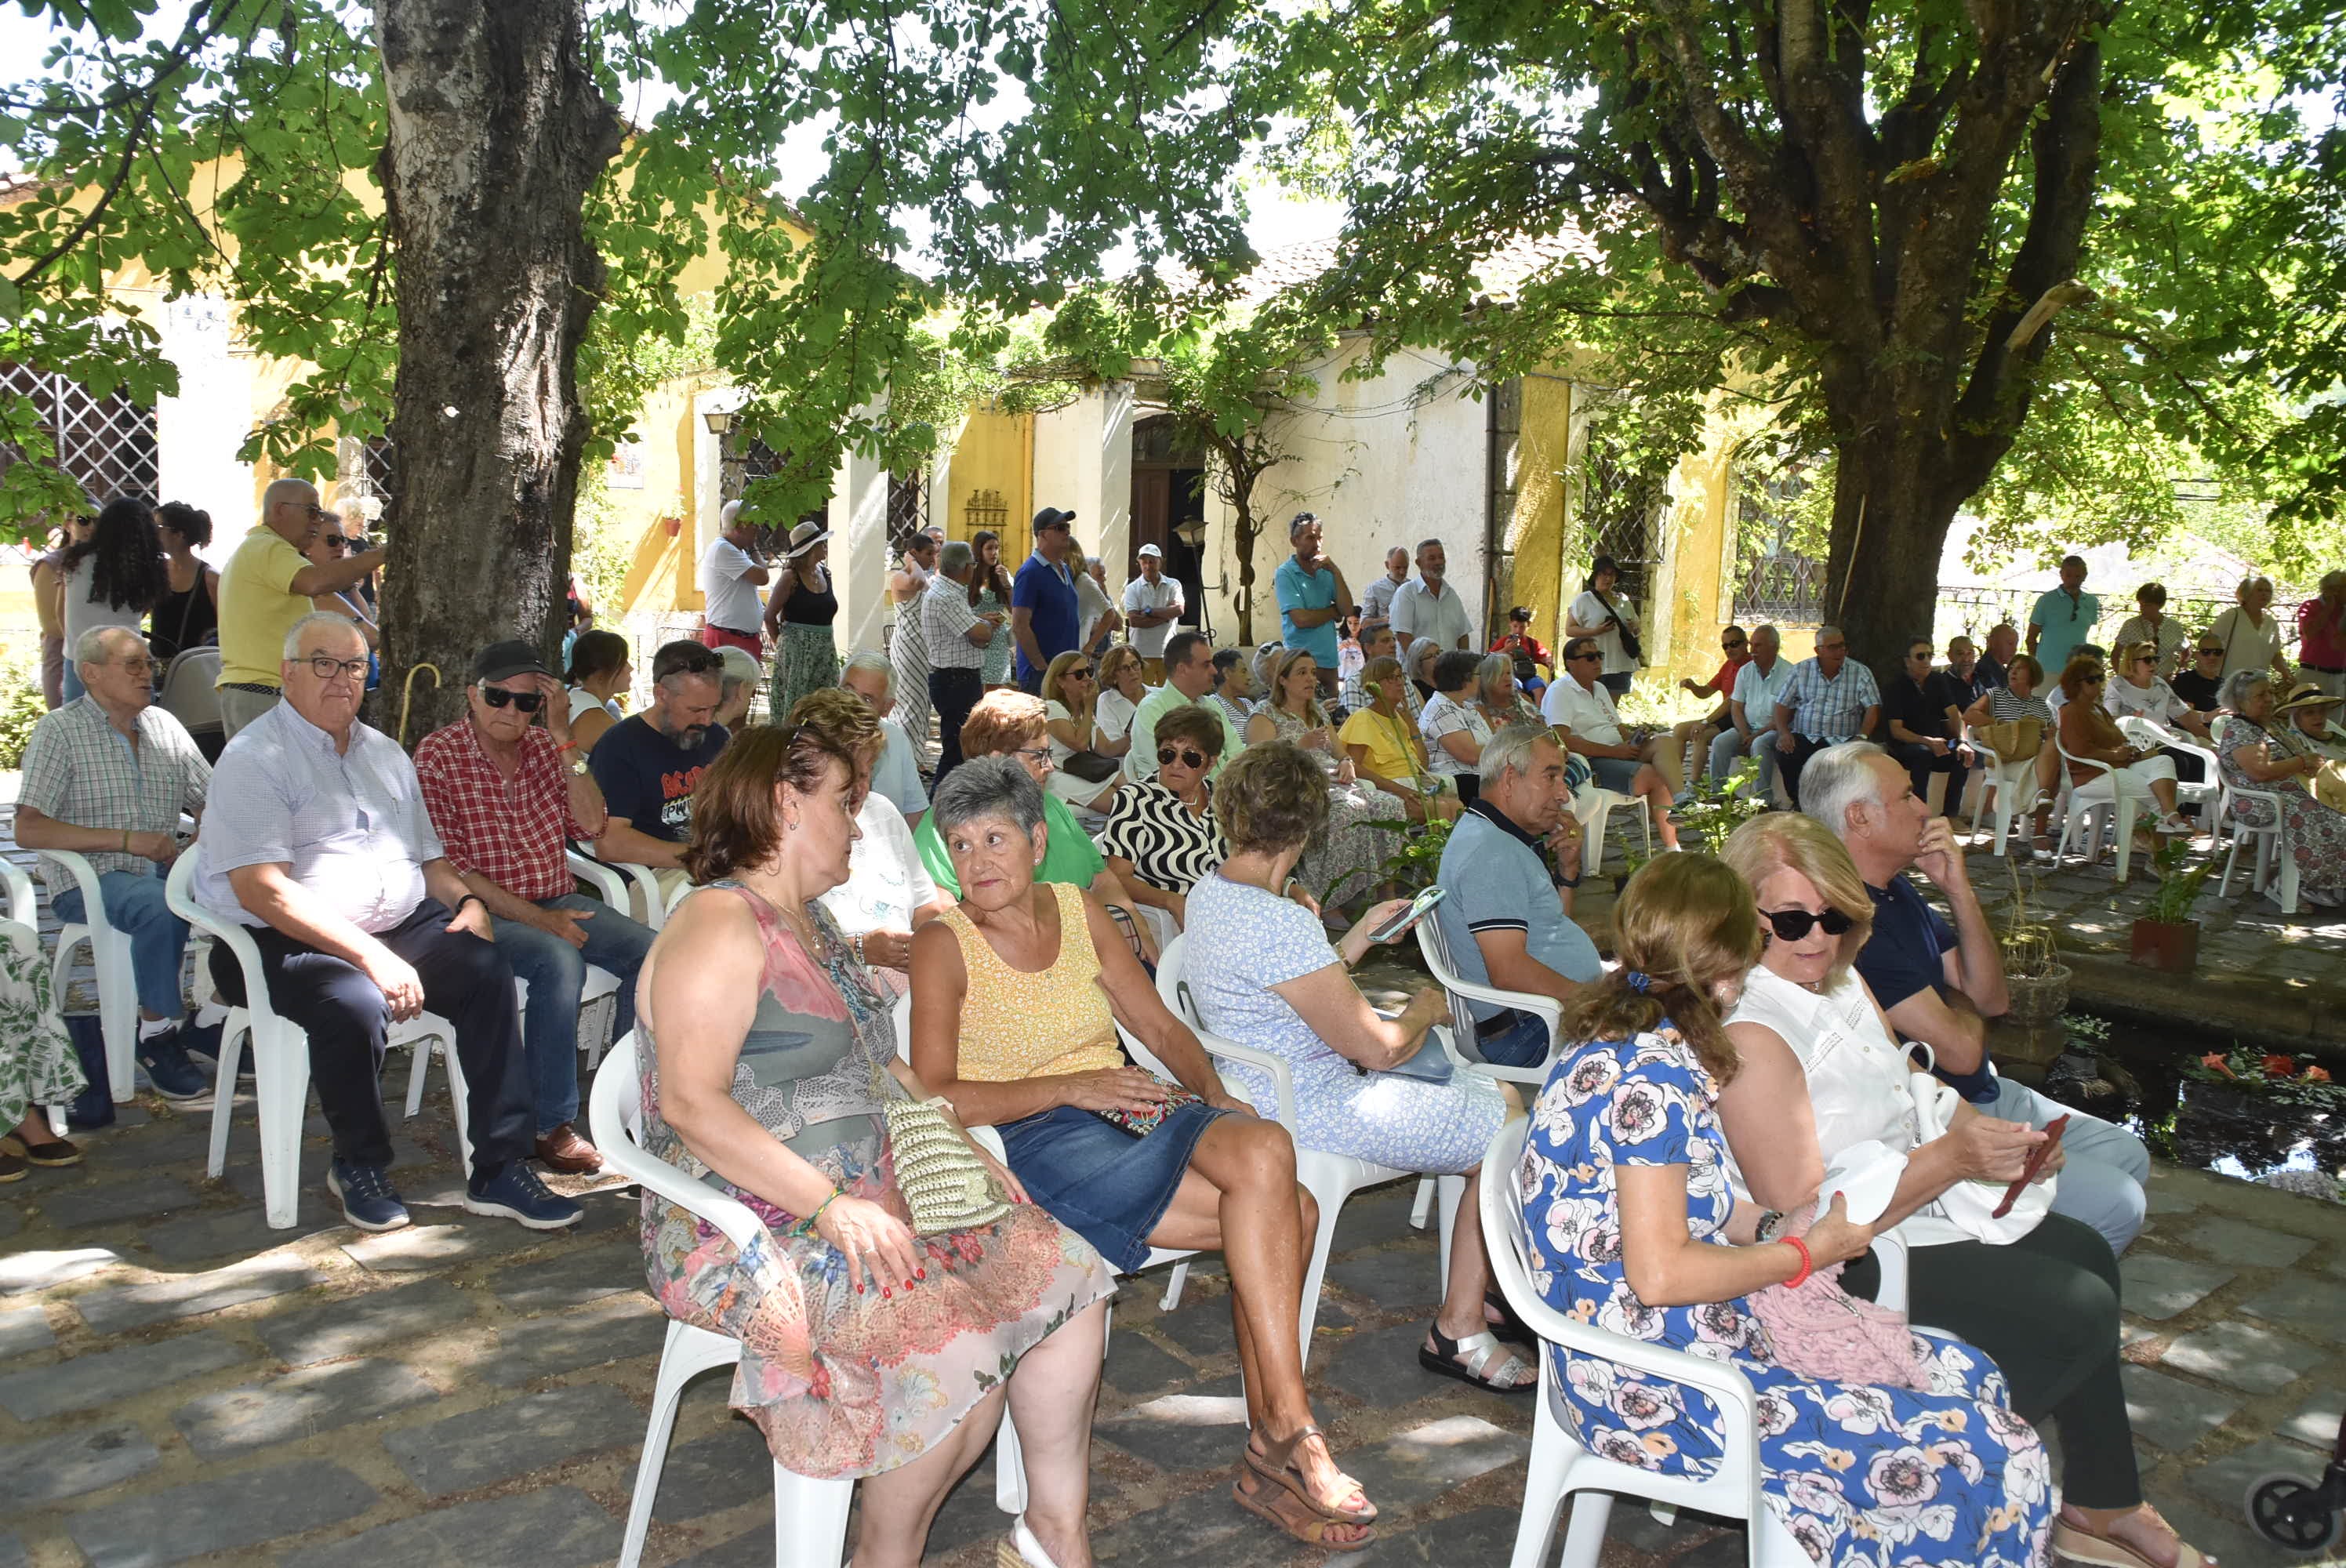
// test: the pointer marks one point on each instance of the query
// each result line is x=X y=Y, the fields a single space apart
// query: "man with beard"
x=648 y=766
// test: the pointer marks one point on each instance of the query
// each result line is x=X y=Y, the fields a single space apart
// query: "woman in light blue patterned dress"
x=1624 y=1178
x=1260 y=970
x=989 y=593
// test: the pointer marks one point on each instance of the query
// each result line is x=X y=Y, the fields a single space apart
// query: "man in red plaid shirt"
x=505 y=796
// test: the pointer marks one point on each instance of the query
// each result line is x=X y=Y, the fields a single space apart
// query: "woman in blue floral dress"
x=1634 y=1228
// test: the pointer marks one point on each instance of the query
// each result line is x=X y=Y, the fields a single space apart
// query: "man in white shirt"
x=1376 y=599
x=1577 y=703
x=1097 y=608
x=1152 y=603
x=1751 y=708
x=896 y=772
x=730 y=576
x=1429 y=606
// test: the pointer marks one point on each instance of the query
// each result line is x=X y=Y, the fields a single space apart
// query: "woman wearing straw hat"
x=799 y=613
x=2265 y=746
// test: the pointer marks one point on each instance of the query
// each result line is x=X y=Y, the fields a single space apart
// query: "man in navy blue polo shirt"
x=1502 y=912
x=1940 y=982
x=1045 y=615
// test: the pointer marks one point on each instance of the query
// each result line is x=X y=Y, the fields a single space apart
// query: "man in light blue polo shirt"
x=2063 y=618
x=1751 y=710
x=1503 y=910
x=1313 y=598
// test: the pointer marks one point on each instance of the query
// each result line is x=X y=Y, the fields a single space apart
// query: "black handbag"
x=1090 y=767
x=1629 y=644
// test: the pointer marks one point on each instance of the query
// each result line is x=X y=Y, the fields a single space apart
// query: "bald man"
x=266 y=586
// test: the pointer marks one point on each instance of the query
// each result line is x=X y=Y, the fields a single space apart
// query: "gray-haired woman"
x=2257 y=753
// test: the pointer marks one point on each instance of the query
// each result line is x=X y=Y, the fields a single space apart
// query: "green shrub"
x=21 y=707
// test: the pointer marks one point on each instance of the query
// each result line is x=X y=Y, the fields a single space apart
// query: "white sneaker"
x=2174 y=824
x=1019 y=1549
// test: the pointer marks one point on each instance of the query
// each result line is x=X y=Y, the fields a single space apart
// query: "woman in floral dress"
x=867 y=1351
x=989 y=594
x=1634 y=1227
x=1349 y=855
x=37 y=1065
x=2258 y=750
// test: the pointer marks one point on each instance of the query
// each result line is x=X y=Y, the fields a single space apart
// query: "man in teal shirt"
x=1189 y=676
x=1313 y=598
x=2063 y=618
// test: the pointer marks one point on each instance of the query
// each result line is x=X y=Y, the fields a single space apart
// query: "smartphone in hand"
x=2036 y=1158
x=1418 y=907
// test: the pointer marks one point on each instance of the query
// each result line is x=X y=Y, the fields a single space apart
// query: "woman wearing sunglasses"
x=1817 y=1070
x=331 y=547
x=1162 y=835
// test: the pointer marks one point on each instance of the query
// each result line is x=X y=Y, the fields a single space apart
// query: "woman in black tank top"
x=799 y=614
x=188 y=617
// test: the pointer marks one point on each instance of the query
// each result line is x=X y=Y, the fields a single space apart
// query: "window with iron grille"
x=759 y=460
x=109 y=445
x=1621 y=511
x=1775 y=579
x=908 y=509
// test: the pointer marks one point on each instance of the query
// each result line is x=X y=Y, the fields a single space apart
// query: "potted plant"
x=2034 y=974
x=2165 y=937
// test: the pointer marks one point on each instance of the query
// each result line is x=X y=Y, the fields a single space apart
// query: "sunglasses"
x=1576 y=658
x=1792 y=925
x=336 y=540
x=2211 y=653
x=527 y=701
x=1185 y=756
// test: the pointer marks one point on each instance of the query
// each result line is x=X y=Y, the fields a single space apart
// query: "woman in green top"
x=1009 y=723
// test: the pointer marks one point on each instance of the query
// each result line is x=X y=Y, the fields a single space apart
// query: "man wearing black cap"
x=506 y=795
x=1044 y=613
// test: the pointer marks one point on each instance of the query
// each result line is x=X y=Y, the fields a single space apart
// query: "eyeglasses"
x=1831 y=648
x=137 y=666
x=1792 y=925
x=1185 y=756
x=1039 y=753
x=326 y=669
x=691 y=661
x=498 y=696
x=2091 y=680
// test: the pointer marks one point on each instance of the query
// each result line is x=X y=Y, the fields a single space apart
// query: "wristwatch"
x=578 y=766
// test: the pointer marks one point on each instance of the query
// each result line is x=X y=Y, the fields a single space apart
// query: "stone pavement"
x=179 y=1383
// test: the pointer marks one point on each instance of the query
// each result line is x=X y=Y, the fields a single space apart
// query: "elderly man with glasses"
x=106 y=777
x=1829 y=698
x=265 y=588
x=319 y=840
x=507 y=796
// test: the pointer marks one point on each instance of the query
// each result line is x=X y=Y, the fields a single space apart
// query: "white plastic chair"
x=280 y=1061
x=1560 y=1466
x=2089 y=801
x=614 y=880
x=1434 y=945
x=1593 y=806
x=2210 y=790
x=2271 y=864
x=109 y=961
x=190 y=690
x=2012 y=788
x=810 y=1514
x=1329 y=1179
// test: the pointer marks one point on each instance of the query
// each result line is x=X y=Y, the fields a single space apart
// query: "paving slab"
x=220 y=1513
x=2242 y=1354
x=1204 y=1527
x=610 y=1331
x=555 y=1527
x=1419 y=1465
x=753 y=1548
x=2159 y=1287
x=35 y=1474
x=2245 y=1245
x=23 y=1328
x=38 y=1270
x=1479 y=1535
x=243 y=1231
x=2171 y=1412
x=2317 y=1423
x=1181 y=1431
x=118 y=1306
x=2309 y=1304
x=2223 y=1482
x=514 y=1437
x=115 y=1201
x=1138 y=1365
x=87 y=1382
x=301 y=1402
x=12 y=1552
x=344 y=1328
x=1202 y=1328
x=430 y=1248
x=569 y=1277
x=1379 y=1367
x=713 y=1473
x=1395 y=1279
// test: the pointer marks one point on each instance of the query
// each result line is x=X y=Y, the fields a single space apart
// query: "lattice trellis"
x=109 y=445
x=758 y=462
x=908 y=509
x=1623 y=510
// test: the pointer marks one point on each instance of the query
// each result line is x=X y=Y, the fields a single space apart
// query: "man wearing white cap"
x=1152 y=603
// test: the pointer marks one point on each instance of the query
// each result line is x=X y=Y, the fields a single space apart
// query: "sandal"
x=55 y=1155
x=1276 y=1463
x=1505 y=1325
x=1295 y=1515
x=1472 y=1361
x=2079 y=1544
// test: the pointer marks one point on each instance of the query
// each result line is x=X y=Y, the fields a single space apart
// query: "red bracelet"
x=566 y=746
x=1807 y=1263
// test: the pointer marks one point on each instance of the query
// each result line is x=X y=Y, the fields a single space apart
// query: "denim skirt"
x=1098 y=1180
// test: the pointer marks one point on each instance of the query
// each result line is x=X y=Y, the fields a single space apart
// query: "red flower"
x=2213 y=1062
x=2281 y=1067
x=2317 y=1075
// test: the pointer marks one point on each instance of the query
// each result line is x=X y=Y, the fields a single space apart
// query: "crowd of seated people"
x=1765 y=1015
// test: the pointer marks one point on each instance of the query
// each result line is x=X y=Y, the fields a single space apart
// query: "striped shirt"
x=81 y=770
x=1170 y=847
x=351 y=825
x=1830 y=709
x=945 y=620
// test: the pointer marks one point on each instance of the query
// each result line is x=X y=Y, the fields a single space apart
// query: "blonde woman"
x=1122 y=682
x=1354 y=850
x=1070 y=705
x=1386 y=751
x=1497 y=695
x=2251 y=636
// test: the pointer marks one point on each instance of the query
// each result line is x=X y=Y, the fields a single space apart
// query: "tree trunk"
x=1890 y=523
x=497 y=132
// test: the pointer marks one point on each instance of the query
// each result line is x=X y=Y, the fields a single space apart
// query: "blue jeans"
x=556 y=972
x=73 y=689
x=158 y=939
x=1729 y=746
x=1523 y=1043
x=2106 y=1166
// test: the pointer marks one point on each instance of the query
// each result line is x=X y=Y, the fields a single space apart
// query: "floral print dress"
x=841 y=1383
x=37 y=1065
x=1346 y=857
x=2310 y=832
x=1893 y=1478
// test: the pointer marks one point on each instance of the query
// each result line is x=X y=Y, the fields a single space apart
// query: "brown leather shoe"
x=564 y=1151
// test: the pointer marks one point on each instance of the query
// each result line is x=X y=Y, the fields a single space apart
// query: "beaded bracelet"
x=806 y=1226
x=1794 y=1242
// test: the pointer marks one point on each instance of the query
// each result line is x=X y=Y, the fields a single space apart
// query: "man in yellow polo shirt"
x=266 y=586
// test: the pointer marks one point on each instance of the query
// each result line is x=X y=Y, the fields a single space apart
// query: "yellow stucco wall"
x=996 y=452
x=1535 y=534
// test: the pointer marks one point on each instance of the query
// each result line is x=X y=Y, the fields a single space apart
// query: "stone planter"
x=2170 y=947
x=2038 y=998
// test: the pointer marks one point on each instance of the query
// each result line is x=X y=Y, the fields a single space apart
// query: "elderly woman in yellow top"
x=1017 y=992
